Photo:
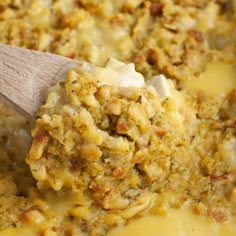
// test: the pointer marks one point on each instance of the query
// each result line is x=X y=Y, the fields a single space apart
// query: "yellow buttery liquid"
x=176 y=223
x=218 y=78
x=21 y=231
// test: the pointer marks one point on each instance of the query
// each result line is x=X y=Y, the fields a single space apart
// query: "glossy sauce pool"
x=176 y=223
x=219 y=78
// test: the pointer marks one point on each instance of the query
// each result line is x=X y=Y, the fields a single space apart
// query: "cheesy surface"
x=107 y=148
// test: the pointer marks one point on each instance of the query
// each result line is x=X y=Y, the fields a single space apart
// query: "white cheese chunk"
x=119 y=74
x=162 y=86
x=166 y=88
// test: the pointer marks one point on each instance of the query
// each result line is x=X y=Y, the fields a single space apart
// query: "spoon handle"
x=26 y=74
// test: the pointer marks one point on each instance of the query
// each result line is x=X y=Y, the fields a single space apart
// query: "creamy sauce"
x=176 y=223
x=219 y=78
x=21 y=231
x=94 y=34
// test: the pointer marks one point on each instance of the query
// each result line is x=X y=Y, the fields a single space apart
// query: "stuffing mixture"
x=123 y=138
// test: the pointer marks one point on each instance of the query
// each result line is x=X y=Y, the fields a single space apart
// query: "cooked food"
x=136 y=134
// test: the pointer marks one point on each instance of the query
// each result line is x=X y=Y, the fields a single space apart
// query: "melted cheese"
x=98 y=42
x=176 y=223
x=219 y=78
x=24 y=230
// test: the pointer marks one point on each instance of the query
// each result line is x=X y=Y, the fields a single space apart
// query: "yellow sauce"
x=218 y=78
x=176 y=223
x=21 y=231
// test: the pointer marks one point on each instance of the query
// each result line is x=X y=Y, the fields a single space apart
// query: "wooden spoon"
x=25 y=75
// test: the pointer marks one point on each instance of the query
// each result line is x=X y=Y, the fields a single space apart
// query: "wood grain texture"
x=25 y=75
